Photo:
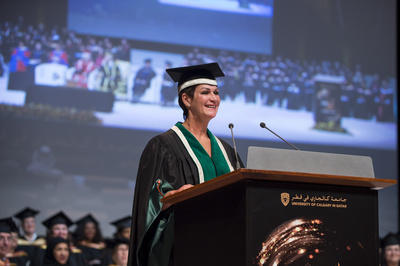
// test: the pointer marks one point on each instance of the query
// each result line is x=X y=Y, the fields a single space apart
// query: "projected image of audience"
x=117 y=79
x=255 y=7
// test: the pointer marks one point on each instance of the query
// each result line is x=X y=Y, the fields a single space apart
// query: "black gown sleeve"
x=163 y=158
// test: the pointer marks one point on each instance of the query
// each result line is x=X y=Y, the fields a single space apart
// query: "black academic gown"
x=19 y=258
x=93 y=256
x=164 y=158
x=29 y=247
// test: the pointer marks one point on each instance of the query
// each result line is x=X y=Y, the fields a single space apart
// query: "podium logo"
x=285 y=198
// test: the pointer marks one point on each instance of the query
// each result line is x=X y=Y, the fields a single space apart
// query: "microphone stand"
x=234 y=147
x=262 y=124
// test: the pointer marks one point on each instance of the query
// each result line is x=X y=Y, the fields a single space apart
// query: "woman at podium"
x=185 y=155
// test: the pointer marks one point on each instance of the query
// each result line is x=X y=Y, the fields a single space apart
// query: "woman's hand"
x=172 y=192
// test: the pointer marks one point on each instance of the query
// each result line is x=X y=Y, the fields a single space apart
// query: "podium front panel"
x=210 y=229
x=306 y=224
x=278 y=223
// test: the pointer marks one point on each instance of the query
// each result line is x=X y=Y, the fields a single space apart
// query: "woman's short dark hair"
x=190 y=92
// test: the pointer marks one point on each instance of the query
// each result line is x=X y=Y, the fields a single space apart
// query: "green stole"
x=213 y=166
x=156 y=245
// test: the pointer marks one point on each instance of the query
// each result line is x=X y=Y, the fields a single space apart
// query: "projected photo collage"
x=118 y=84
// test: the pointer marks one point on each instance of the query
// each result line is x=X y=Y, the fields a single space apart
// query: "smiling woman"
x=186 y=155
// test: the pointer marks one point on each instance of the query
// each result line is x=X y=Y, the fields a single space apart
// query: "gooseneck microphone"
x=234 y=147
x=262 y=124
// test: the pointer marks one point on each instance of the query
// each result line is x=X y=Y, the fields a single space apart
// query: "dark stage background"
x=60 y=156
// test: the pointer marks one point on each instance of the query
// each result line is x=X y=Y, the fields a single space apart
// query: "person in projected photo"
x=83 y=67
x=58 y=55
x=110 y=74
x=167 y=88
x=20 y=58
x=186 y=155
x=142 y=80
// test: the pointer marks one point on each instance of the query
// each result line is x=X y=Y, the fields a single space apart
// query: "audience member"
x=7 y=225
x=123 y=227
x=57 y=253
x=89 y=239
x=28 y=238
x=120 y=252
x=391 y=250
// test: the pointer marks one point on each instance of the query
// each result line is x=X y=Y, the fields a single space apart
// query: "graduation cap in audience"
x=7 y=225
x=194 y=75
x=118 y=241
x=86 y=219
x=390 y=239
x=58 y=218
x=25 y=213
x=122 y=223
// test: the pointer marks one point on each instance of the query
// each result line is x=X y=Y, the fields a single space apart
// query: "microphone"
x=234 y=147
x=262 y=124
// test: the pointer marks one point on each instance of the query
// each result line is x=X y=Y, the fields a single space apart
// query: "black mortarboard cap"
x=118 y=241
x=7 y=225
x=87 y=218
x=390 y=239
x=195 y=75
x=58 y=218
x=25 y=213
x=123 y=222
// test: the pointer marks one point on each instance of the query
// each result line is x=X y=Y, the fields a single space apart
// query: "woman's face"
x=205 y=102
x=61 y=253
x=120 y=255
x=60 y=230
x=392 y=254
x=90 y=230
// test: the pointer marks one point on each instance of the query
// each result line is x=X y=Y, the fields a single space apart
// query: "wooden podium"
x=257 y=217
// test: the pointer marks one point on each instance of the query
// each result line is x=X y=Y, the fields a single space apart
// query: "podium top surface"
x=280 y=176
x=263 y=158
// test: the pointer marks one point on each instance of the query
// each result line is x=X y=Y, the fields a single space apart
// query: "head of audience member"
x=391 y=250
x=120 y=251
x=57 y=225
x=57 y=252
x=88 y=230
x=27 y=218
x=123 y=226
x=7 y=227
